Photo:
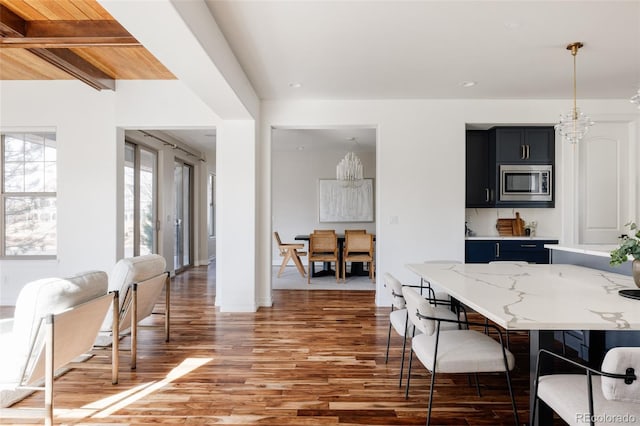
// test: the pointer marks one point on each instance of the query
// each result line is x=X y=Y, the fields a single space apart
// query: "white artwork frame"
x=338 y=202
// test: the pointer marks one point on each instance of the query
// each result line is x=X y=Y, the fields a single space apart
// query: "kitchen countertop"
x=537 y=296
x=497 y=237
x=603 y=250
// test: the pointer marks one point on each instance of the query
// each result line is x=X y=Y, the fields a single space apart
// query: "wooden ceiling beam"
x=14 y=27
x=76 y=66
x=28 y=42
x=11 y=25
x=67 y=34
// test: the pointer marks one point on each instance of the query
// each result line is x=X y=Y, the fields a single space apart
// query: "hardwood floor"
x=314 y=358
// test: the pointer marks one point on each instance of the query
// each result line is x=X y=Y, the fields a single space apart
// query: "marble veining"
x=538 y=297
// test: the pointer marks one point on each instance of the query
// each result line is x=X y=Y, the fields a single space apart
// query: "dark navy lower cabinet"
x=527 y=250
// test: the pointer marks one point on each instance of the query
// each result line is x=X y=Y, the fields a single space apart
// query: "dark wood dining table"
x=357 y=268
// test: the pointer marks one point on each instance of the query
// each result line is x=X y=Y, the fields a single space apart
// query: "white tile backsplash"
x=483 y=221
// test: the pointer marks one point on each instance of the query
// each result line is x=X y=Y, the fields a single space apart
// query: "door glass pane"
x=177 y=247
x=147 y=201
x=186 y=209
x=182 y=241
x=129 y=199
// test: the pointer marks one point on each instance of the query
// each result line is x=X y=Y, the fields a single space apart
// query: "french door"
x=140 y=200
x=183 y=238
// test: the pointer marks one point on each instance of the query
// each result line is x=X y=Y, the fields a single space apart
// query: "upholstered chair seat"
x=615 y=389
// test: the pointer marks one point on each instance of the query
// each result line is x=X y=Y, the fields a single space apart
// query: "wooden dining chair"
x=358 y=247
x=323 y=247
x=355 y=231
x=290 y=251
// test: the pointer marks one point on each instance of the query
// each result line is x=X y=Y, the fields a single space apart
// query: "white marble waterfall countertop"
x=536 y=296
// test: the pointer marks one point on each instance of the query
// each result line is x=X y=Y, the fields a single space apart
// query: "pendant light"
x=574 y=124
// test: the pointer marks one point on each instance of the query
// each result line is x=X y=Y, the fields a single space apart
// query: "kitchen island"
x=540 y=298
x=595 y=256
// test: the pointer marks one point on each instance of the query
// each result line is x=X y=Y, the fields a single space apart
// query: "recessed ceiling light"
x=300 y=148
x=295 y=85
x=468 y=83
x=351 y=138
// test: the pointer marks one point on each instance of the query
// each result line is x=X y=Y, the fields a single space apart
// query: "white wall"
x=236 y=254
x=295 y=192
x=87 y=124
x=420 y=173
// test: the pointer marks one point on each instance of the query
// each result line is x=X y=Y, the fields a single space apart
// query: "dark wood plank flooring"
x=314 y=358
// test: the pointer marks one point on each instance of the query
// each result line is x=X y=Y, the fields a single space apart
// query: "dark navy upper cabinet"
x=524 y=145
x=487 y=150
x=480 y=167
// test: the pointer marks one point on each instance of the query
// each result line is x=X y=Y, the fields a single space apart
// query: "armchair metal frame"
x=628 y=378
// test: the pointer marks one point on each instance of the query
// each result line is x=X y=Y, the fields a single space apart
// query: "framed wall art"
x=340 y=201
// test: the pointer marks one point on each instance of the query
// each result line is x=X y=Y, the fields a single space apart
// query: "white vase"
x=635 y=270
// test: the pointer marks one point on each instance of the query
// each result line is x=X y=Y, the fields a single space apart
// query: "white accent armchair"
x=399 y=319
x=607 y=396
x=139 y=281
x=56 y=320
x=453 y=351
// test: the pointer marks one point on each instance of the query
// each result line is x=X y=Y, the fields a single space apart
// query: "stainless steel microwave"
x=526 y=183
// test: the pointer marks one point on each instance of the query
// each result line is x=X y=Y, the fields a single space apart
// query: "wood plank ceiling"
x=67 y=39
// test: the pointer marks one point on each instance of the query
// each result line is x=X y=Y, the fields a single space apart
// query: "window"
x=29 y=174
x=140 y=200
x=211 y=201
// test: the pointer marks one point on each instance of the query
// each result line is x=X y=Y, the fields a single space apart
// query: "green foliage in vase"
x=628 y=246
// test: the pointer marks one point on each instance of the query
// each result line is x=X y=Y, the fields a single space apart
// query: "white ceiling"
x=335 y=139
x=424 y=49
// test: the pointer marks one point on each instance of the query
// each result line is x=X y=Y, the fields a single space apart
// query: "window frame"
x=137 y=170
x=24 y=194
x=211 y=213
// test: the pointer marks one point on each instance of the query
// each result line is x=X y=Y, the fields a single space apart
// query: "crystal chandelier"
x=635 y=99
x=349 y=170
x=574 y=124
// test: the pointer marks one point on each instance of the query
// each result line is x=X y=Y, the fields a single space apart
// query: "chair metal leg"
x=404 y=350
x=433 y=372
x=404 y=346
x=406 y=392
x=513 y=400
x=477 y=385
x=433 y=383
x=386 y=357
